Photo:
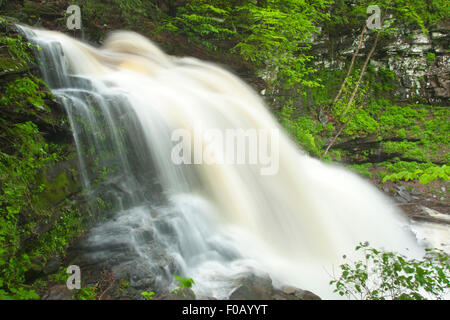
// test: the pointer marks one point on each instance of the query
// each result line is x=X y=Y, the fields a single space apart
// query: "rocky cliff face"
x=420 y=62
x=42 y=203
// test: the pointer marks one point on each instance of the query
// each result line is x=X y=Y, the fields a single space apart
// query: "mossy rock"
x=61 y=181
x=43 y=207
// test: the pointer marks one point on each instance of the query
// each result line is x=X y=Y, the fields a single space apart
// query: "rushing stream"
x=210 y=222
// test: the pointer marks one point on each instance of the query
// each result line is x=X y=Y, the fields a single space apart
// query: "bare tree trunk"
x=355 y=54
x=369 y=56
x=339 y=132
x=362 y=73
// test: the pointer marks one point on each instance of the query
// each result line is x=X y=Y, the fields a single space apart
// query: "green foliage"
x=394 y=117
x=85 y=293
x=31 y=229
x=417 y=133
x=24 y=90
x=271 y=34
x=423 y=132
x=18 y=172
x=431 y=57
x=414 y=13
x=148 y=295
x=359 y=121
x=202 y=22
x=61 y=276
x=18 y=294
x=406 y=149
x=405 y=166
x=382 y=81
x=22 y=213
x=425 y=176
x=101 y=16
x=361 y=124
x=382 y=275
x=304 y=130
x=124 y=285
x=36 y=220
x=184 y=283
x=362 y=169
x=420 y=13
x=378 y=83
x=18 y=57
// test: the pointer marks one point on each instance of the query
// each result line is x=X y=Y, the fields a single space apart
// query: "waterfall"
x=214 y=221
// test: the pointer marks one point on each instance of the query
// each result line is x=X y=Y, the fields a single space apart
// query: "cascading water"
x=210 y=222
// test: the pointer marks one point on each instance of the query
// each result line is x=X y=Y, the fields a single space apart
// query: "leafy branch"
x=382 y=275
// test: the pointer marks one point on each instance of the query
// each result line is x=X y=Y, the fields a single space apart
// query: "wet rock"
x=260 y=287
x=180 y=294
x=144 y=236
x=52 y=266
x=164 y=227
x=289 y=290
x=58 y=292
x=306 y=295
x=435 y=214
x=401 y=200
x=292 y=293
x=403 y=196
x=253 y=287
x=142 y=284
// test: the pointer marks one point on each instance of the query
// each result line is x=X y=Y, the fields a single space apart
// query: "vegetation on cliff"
x=38 y=217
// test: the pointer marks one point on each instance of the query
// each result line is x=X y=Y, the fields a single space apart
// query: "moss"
x=431 y=58
x=58 y=188
x=15 y=53
x=9 y=64
x=38 y=178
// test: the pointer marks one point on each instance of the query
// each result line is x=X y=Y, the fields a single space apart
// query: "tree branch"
x=355 y=54
x=369 y=56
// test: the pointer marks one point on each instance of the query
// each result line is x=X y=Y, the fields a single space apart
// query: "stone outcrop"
x=260 y=287
x=419 y=61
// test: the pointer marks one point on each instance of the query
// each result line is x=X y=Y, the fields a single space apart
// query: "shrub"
x=382 y=275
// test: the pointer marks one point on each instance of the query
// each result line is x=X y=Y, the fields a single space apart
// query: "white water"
x=225 y=219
